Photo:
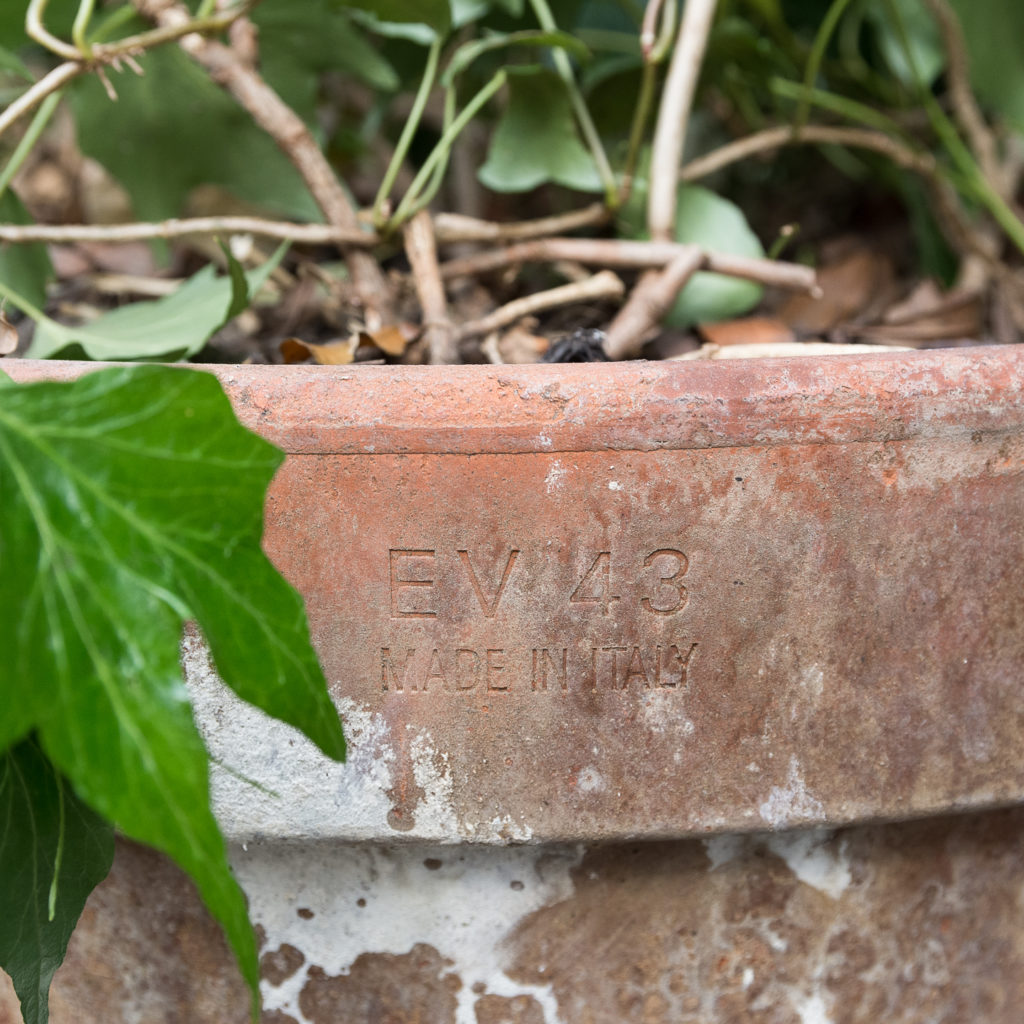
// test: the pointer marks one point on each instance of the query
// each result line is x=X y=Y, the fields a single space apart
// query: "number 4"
x=596 y=585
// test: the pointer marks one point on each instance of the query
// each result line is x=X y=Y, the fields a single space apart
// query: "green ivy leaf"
x=133 y=501
x=708 y=220
x=536 y=139
x=39 y=816
x=175 y=326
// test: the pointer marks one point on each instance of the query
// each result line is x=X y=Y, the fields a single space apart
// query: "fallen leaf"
x=332 y=353
x=391 y=340
x=751 y=330
x=849 y=288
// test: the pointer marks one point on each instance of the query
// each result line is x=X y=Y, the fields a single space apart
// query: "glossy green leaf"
x=716 y=224
x=536 y=140
x=50 y=842
x=173 y=327
x=133 y=501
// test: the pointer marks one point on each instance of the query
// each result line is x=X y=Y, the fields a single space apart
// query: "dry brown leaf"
x=751 y=330
x=519 y=344
x=391 y=340
x=850 y=287
x=333 y=353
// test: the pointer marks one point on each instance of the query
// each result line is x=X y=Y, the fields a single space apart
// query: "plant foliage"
x=133 y=502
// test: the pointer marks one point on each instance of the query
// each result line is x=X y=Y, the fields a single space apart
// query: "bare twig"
x=637 y=255
x=309 y=234
x=291 y=134
x=673 y=115
x=77 y=62
x=448 y=228
x=783 y=135
x=453 y=227
x=421 y=248
x=962 y=235
x=648 y=303
x=33 y=96
x=603 y=285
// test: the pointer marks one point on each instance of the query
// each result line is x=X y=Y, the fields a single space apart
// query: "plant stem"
x=81 y=25
x=435 y=182
x=976 y=183
x=32 y=97
x=440 y=151
x=29 y=139
x=673 y=116
x=412 y=122
x=821 y=41
x=636 y=130
x=850 y=109
x=36 y=30
x=590 y=134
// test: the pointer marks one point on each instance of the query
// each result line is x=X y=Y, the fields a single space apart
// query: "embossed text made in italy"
x=642 y=658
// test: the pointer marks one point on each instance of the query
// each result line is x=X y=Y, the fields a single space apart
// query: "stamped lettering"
x=641 y=599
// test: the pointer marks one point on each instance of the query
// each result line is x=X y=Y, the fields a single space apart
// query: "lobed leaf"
x=133 y=501
x=50 y=842
x=536 y=139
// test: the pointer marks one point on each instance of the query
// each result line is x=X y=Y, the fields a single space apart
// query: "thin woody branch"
x=635 y=255
x=603 y=285
x=290 y=133
x=309 y=234
x=421 y=248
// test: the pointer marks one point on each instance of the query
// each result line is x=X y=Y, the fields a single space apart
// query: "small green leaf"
x=39 y=814
x=133 y=500
x=172 y=327
x=714 y=223
x=536 y=139
x=239 y=284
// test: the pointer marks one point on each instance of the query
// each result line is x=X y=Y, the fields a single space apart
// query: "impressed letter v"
x=489 y=607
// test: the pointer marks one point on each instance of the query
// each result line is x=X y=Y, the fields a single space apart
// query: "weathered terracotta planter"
x=562 y=605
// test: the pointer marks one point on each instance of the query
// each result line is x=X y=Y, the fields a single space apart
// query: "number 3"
x=673 y=593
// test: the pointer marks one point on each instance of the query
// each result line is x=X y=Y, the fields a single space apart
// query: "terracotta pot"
x=562 y=604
